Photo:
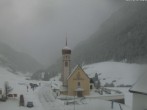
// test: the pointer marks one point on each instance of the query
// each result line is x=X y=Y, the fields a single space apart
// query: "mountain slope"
x=121 y=37
x=17 y=61
x=116 y=72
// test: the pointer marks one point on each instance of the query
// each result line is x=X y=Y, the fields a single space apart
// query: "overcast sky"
x=39 y=27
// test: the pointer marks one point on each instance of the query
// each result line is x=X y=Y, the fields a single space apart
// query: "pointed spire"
x=66 y=50
x=66 y=38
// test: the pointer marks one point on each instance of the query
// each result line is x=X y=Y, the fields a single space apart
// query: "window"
x=78 y=84
x=66 y=64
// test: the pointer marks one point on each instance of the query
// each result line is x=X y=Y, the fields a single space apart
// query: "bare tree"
x=8 y=89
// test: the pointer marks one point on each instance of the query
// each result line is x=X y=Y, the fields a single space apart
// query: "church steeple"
x=66 y=49
x=66 y=53
x=66 y=39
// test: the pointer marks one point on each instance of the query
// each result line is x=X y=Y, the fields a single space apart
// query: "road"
x=47 y=100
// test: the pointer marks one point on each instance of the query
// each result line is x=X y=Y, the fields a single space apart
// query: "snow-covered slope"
x=119 y=73
x=19 y=85
x=15 y=81
x=6 y=75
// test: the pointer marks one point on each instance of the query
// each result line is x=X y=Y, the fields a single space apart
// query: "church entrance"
x=79 y=94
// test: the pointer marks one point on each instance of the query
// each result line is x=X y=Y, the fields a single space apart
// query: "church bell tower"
x=66 y=56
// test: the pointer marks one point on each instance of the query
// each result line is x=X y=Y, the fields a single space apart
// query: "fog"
x=39 y=27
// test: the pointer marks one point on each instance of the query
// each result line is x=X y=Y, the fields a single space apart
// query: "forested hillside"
x=17 y=61
x=121 y=38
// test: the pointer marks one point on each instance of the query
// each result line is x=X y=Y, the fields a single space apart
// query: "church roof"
x=140 y=87
x=66 y=48
x=77 y=66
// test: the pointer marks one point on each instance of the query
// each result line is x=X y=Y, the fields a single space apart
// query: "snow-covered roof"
x=62 y=88
x=79 y=89
x=140 y=86
x=74 y=70
x=56 y=85
x=66 y=48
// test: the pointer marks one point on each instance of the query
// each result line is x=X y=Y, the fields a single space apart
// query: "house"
x=139 y=90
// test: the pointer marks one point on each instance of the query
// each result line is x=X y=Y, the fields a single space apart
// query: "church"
x=75 y=83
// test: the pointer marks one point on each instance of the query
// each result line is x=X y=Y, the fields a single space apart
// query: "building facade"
x=78 y=83
x=75 y=83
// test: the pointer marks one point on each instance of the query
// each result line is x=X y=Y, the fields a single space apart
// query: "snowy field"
x=19 y=85
x=120 y=73
x=43 y=97
x=128 y=96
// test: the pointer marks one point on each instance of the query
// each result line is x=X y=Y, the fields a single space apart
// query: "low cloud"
x=39 y=27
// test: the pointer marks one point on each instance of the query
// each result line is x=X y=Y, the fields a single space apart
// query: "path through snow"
x=45 y=95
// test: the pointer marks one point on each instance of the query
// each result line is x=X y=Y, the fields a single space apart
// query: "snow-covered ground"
x=119 y=73
x=43 y=97
x=19 y=85
x=128 y=96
